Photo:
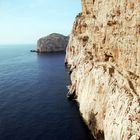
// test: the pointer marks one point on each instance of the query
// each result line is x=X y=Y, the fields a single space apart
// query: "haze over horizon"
x=24 y=22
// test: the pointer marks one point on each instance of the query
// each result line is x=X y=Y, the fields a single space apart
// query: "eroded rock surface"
x=52 y=43
x=104 y=59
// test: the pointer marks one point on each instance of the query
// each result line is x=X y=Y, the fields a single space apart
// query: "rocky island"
x=103 y=55
x=52 y=43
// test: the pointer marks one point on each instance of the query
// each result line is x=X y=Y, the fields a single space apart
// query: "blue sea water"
x=33 y=103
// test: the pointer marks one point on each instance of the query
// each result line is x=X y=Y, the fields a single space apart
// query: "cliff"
x=103 y=55
x=52 y=43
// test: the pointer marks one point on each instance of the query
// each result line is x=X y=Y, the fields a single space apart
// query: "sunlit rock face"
x=87 y=7
x=103 y=54
x=52 y=43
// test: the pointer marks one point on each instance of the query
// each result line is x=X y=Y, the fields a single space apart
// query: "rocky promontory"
x=52 y=43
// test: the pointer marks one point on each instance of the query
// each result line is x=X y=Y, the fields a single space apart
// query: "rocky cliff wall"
x=104 y=59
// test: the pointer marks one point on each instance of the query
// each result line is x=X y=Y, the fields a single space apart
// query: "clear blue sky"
x=24 y=21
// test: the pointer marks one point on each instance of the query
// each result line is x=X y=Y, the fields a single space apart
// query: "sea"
x=33 y=102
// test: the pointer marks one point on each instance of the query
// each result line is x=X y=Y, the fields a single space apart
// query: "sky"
x=25 y=21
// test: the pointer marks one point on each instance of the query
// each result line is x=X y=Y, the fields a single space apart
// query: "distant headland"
x=52 y=43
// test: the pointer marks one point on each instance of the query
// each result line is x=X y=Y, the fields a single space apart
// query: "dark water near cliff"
x=33 y=103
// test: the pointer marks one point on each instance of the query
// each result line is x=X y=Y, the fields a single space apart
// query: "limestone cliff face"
x=104 y=59
x=52 y=43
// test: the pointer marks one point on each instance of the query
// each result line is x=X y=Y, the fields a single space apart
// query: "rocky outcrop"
x=104 y=59
x=52 y=43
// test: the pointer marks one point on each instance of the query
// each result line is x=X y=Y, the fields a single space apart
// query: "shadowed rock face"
x=52 y=43
x=103 y=54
